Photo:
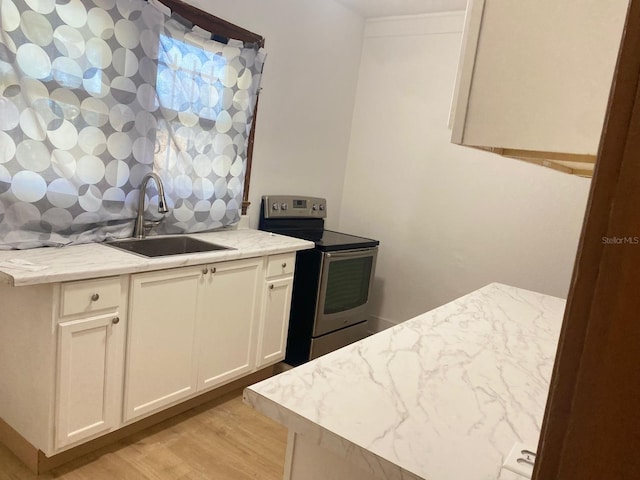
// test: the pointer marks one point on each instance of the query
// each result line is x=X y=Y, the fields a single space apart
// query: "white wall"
x=450 y=219
x=309 y=82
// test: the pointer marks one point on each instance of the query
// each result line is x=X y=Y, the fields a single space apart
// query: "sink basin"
x=161 y=246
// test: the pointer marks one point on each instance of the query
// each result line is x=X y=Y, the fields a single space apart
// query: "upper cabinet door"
x=534 y=78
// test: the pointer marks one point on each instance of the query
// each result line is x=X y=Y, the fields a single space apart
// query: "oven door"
x=345 y=284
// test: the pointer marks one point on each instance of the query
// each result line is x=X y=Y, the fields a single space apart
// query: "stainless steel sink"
x=161 y=246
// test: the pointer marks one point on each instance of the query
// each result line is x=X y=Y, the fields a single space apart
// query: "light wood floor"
x=220 y=440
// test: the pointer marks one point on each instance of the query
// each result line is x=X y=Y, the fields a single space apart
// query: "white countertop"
x=94 y=260
x=443 y=396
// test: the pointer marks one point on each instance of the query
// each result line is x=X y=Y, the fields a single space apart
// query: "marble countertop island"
x=95 y=260
x=443 y=396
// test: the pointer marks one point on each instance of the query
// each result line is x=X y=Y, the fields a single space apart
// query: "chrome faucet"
x=138 y=228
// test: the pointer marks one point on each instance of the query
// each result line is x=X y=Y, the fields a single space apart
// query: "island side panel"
x=321 y=438
x=308 y=461
x=27 y=356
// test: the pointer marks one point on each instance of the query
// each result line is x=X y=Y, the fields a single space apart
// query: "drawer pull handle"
x=205 y=270
x=95 y=297
x=284 y=265
x=271 y=287
x=213 y=270
x=115 y=320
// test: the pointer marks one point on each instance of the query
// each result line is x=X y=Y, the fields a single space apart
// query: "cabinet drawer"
x=89 y=296
x=281 y=264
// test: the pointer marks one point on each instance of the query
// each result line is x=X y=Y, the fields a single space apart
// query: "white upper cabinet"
x=534 y=78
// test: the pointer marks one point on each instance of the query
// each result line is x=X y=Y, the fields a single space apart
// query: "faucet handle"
x=149 y=224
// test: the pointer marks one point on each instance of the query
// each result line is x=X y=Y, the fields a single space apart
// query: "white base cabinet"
x=276 y=303
x=87 y=378
x=192 y=329
x=229 y=316
x=90 y=339
x=161 y=362
x=85 y=358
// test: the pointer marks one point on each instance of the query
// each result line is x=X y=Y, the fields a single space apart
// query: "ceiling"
x=388 y=8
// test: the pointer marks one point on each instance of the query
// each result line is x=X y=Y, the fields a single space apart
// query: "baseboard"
x=378 y=324
x=39 y=463
x=21 y=448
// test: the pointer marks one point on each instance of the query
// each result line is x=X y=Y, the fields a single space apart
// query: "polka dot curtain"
x=95 y=94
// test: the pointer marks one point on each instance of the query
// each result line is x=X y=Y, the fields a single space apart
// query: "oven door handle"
x=363 y=252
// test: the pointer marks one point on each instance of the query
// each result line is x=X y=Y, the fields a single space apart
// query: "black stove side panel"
x=303 y=306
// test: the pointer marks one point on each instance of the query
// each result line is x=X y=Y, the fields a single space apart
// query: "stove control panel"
x=291 y=206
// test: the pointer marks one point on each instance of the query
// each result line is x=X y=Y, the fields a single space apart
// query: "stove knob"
x=322 y=207
x=284 y=206
x=315 y=207
x=275 y=207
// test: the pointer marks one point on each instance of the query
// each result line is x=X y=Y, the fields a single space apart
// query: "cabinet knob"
x=284 y=265
x=205 y=270
x=95 y=297
x=115 y=320
x=271 y=287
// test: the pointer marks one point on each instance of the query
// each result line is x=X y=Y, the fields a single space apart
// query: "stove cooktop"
x=332 y=241
x=303 y=217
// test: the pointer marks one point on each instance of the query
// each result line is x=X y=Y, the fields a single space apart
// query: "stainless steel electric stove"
x=332 y=282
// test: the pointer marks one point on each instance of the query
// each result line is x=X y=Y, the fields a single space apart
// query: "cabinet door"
x=161 y=364
x=88 y=372
x=535 y=77
x=228 y=323
x=275 y=321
